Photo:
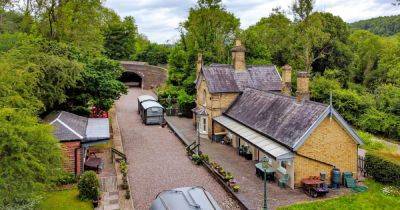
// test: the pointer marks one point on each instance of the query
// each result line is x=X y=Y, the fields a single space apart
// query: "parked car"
x=185 y=198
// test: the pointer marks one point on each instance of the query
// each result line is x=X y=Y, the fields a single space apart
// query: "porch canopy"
x=263 y=143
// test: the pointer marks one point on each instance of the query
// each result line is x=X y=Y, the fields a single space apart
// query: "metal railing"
x=120 y=154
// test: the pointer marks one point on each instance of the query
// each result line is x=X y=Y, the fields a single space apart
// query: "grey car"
x=185 y=198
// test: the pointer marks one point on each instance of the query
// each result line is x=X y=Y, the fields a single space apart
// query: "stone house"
x=301 y=138
x=76 y=134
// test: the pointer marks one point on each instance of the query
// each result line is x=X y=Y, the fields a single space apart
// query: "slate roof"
x=275 y=115
x=222 y=78
x=72 y=127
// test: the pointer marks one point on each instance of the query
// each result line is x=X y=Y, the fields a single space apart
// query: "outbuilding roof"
x=222 y=78
x=97 y=129
x=281 y=117
x=72 y=127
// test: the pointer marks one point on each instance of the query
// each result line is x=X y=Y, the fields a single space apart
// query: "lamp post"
x=264 y=161
x=198 y=133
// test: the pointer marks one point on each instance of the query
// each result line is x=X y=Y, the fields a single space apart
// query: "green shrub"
x=186 y=103
x=379 y=122
x=370 y=143
x=382 y=169
x=66 y=178
x=88 y=186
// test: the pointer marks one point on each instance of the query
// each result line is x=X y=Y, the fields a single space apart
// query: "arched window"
x=204 y=98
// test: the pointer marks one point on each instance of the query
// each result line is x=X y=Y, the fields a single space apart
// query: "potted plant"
x=228 y=176
x=196 y=159
x=124 y=183
x=128 y=194
x=96 y=201
x=205 y=158
x=236 y=188
x=232 y=182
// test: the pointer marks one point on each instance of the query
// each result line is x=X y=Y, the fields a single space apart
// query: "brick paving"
x=251 y=187
x=157 y=159
x=108 y=183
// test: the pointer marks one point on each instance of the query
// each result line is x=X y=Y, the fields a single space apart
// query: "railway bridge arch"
x=143 y=75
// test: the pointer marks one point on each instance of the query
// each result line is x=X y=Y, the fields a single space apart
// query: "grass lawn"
x=372 y=199
x=64 y=200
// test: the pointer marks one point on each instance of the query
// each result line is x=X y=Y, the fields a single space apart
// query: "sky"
x=158 y=20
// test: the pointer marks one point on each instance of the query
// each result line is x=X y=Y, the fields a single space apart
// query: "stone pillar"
x=287 y=80
x=303 y=91
x=199 y=63
x=238 y=56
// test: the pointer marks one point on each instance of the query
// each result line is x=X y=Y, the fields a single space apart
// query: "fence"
x=361 y=166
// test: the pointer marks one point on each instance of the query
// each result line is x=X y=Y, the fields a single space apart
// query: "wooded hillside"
x=384 y=26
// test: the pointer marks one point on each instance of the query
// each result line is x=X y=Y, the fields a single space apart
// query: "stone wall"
x=331 y=144
x=152 y=76
x=72 y=156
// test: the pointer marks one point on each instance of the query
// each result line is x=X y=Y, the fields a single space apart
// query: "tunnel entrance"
x=131 y=79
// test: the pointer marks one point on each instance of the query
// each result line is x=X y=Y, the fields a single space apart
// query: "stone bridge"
x=143 y=75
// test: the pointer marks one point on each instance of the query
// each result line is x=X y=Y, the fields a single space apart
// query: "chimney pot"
x=303 y=91
x=287 y=80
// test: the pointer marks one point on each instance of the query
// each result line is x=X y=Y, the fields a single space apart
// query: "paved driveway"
x=157 y=159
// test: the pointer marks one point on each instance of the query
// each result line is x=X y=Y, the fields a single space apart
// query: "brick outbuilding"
x=76 y=134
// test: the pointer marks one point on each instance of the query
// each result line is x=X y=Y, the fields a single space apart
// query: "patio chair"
x=282 y=182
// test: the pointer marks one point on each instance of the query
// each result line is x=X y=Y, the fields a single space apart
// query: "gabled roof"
x=281 y=117
x=68 y=126
x=72 y=127
x=222 y=78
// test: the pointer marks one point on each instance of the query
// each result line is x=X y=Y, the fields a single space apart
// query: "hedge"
x=382 y=169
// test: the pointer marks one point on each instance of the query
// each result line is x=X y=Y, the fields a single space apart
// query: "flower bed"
x=225 y=176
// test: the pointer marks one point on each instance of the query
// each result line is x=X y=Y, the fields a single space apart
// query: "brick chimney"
x=303 y=91
x=286 y=80
x=238 y=56
x=199 y=63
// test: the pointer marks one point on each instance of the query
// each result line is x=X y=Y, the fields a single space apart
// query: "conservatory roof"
x=262 y=142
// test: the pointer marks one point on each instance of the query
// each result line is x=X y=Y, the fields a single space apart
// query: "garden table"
x=94 y=163
x=270 y=172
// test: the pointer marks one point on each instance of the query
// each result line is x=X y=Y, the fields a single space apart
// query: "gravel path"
x=157 y=159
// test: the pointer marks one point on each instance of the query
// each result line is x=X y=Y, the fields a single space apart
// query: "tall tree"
x=277 y=29
x=120 y=37
x=210 y=29
x=321 y=42
x=302 y=8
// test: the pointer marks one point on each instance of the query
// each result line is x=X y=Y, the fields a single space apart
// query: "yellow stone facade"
x=215 y=103
x=328 y=143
